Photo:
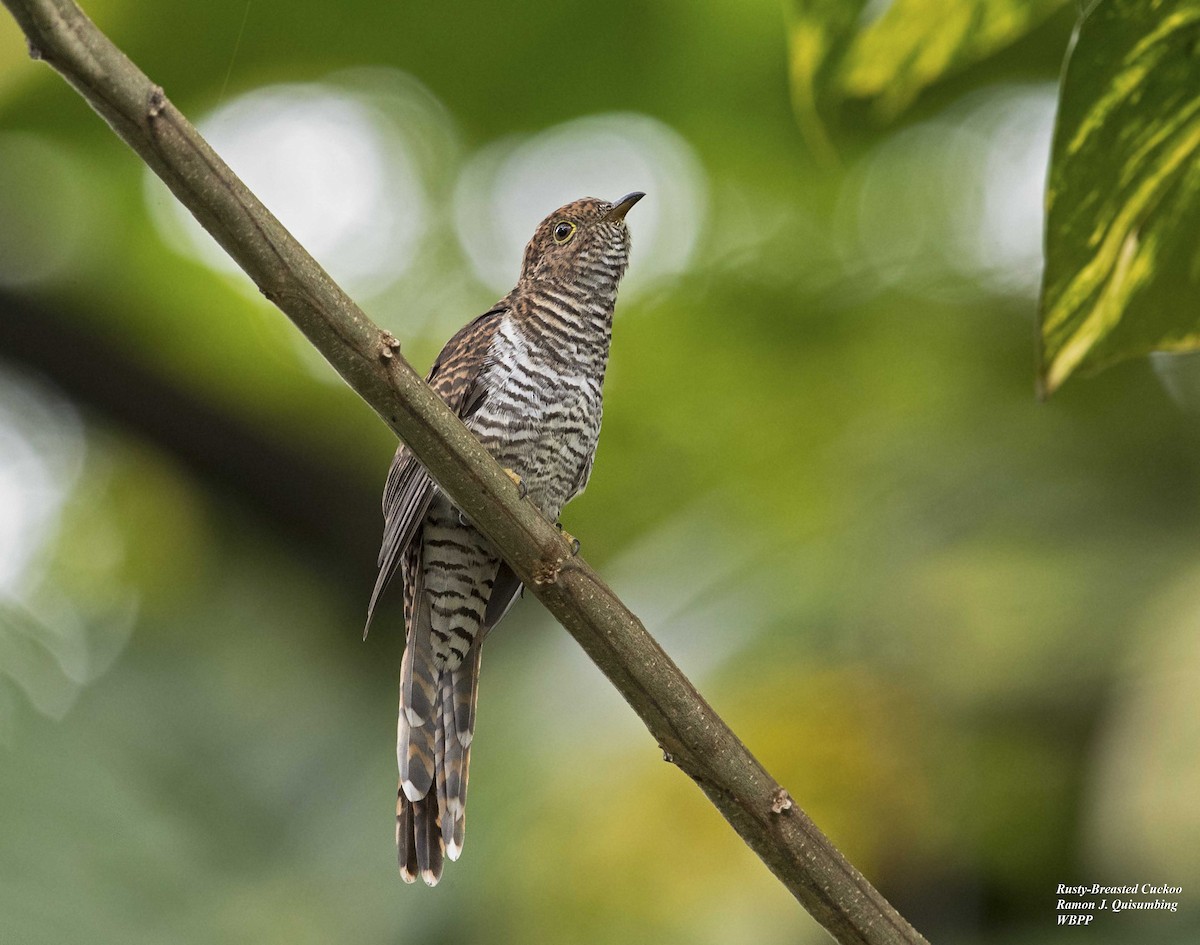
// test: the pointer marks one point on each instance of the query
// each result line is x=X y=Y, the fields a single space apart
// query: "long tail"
x=437 y=723
x=434 y=752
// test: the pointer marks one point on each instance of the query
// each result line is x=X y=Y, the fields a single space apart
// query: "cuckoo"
x=527 y=377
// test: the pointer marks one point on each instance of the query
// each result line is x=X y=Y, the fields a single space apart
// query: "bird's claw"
x=569 y=537
x=522 y=489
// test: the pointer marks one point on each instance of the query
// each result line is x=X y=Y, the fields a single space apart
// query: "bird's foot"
x=522 y=489
x=569 y=537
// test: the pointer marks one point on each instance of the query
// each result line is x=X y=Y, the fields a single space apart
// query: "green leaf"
x=1122 y=272
x=839 y=54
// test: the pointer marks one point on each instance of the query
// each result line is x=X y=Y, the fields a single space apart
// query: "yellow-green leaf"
x=1123 y=202
x=840 y=53
x=818 y=35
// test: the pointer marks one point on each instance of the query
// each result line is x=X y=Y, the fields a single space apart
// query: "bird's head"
x=585 y=243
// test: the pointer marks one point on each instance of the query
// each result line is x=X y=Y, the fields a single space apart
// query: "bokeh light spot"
x=954 y=205
x=41 y=453
x=341 y=164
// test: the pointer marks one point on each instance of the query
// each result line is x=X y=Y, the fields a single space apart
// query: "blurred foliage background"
x=958 y=625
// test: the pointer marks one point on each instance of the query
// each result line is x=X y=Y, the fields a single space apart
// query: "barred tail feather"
x=433 y=825
x=418 y=830
x=418 y=672
x=453 y=774
x=433 y=739
x=406 y=846
x=419 y=843
x=416 y=733
x=428 y=839
x=441 y=781
x=464 y=694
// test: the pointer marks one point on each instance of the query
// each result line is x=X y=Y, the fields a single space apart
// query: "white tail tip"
x=431 y=878
x=453 y=850
x=411 y=792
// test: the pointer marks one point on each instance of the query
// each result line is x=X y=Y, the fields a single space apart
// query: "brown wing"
x=409 y=489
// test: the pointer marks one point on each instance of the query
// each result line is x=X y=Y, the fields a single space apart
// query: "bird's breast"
x=540 y=415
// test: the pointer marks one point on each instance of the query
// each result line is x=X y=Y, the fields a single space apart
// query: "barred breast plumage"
x=527 y=378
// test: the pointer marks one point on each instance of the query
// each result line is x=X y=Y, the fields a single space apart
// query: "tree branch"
x=689 y=732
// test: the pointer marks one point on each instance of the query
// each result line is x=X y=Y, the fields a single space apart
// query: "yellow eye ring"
x=563 y=231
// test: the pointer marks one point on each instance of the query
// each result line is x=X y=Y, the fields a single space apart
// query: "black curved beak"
x=623 y=206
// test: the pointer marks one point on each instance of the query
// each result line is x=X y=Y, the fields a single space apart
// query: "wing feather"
x=409 y=489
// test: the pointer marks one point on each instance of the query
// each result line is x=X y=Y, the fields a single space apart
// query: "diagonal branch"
x=689 y=732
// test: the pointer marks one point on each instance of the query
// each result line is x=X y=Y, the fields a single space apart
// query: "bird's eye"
x=563 y=231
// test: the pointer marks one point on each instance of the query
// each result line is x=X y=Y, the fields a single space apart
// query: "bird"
x=527 y=378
